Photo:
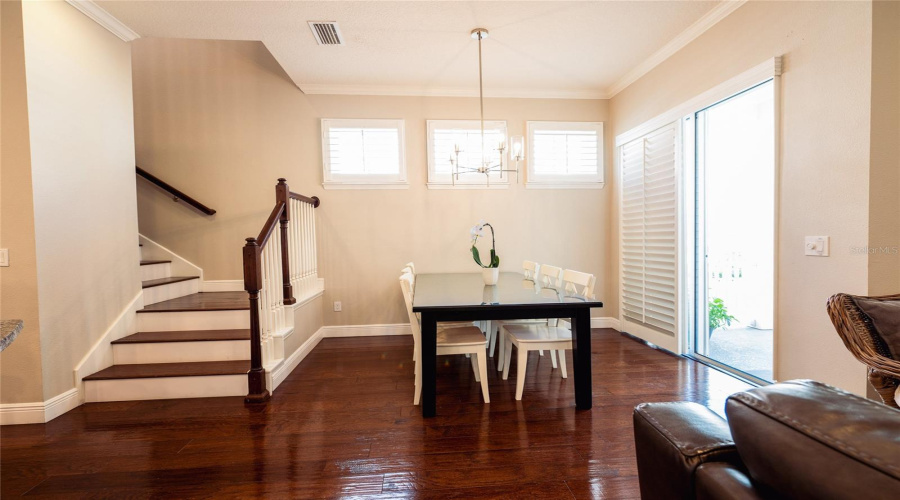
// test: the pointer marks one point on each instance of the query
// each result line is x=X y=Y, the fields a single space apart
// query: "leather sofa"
x=798 y=439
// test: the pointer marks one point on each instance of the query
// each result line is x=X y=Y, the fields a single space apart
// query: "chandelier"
x=486 y=166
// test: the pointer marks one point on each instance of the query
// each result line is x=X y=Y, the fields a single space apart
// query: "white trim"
x=414 y=91
x=101 y=354
x=222 y=286
x=556 y=185
x=700 y=26
x=21 y=413
x=606 y=322
x=105 y=19
x=758 y=74
x=281 y=371
x=360 y=185
x=320 y=290
x=180 y=266
x=61 y=403
x=40 y=412
x=442 y=185
x=365 y=330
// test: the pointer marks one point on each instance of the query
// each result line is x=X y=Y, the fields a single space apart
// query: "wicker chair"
x=864 y=342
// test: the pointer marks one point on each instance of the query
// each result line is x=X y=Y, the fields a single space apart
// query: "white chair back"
x=406 y=284
x=531 y=269
x=572 y=280
x=549 y=275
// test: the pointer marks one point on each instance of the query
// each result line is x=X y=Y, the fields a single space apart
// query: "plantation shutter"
x=649 y=225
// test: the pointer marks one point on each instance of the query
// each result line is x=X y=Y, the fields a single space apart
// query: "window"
x=363 y=154
x=565 y=155
x=445 y=135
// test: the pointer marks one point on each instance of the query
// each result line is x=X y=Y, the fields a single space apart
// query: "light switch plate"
x=817 y=246
x=4 y=257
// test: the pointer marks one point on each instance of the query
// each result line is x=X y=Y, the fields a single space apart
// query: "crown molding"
x=401 y=90
x=105 y=19
x=693 y=31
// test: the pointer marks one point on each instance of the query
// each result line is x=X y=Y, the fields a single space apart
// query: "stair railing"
x=275 y=264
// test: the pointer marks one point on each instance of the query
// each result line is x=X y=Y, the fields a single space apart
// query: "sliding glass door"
x=734 y=159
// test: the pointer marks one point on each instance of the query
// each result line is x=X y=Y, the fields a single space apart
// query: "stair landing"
x=204 y=301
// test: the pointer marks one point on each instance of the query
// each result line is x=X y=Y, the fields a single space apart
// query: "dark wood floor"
x=342 y=425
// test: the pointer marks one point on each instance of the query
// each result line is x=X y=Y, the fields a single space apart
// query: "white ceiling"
x=549 y=48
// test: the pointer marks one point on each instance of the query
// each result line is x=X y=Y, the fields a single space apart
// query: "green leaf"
x=476 y=256
x=495 y=260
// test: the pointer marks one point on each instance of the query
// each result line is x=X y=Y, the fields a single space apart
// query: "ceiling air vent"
x=326 y=32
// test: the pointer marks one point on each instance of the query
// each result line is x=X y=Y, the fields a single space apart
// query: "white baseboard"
x=365 y=330
x=222 y=286
x=101 y=354
x=41 y=412
x=606 y=322
x=280 y=372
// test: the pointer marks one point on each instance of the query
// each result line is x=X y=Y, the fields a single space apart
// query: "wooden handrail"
x=269 y=226
x=177 y=194
x=253 y=281
x=314 y=201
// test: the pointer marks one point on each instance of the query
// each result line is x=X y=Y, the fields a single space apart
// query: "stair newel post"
x=283 y=195
x=256 y=377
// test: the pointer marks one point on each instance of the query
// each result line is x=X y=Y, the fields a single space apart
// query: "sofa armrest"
x=671 y=441
x=720 y=481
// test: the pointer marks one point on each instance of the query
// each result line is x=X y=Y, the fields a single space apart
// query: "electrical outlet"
x=337 y=306
x=4 y=257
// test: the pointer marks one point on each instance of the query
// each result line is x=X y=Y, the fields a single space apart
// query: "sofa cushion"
x=805 y=439
x=884 y=316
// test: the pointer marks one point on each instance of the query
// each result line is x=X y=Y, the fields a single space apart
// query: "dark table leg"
x=581 y=353
x=429 y=364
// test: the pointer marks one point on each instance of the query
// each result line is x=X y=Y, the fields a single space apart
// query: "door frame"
x=771 y=69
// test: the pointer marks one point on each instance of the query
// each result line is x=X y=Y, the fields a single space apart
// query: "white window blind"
x=563 y=153
x=649 y=229
x=445 y=135
x=363 y=152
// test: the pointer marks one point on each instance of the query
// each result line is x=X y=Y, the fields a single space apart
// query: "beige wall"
x=82 y=166
x=222 y=120
x=20 y=363
x=307 y=321
x=825 y=156
x=884 y=176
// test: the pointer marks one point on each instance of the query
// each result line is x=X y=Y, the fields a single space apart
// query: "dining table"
x=465 y=297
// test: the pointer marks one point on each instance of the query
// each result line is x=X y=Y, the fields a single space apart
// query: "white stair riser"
x=193 y=320
x=170 y=291
x=134 y=389
x=156 y=271
x=181 y=352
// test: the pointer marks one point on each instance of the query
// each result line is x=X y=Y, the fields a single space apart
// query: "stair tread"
x=160 y=370
x=167 y=281
x=203 y=301
x=151 y=262
x=186 y=336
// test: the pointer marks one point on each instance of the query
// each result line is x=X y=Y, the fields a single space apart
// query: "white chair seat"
x=461 y=336
x=539 y=333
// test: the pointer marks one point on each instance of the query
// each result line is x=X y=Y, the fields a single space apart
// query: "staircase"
x=188 y=344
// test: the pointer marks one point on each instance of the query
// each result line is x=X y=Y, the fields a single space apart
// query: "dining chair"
x=410 y=268
x=548 y=336
x=458 y=340
x=544 y=275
